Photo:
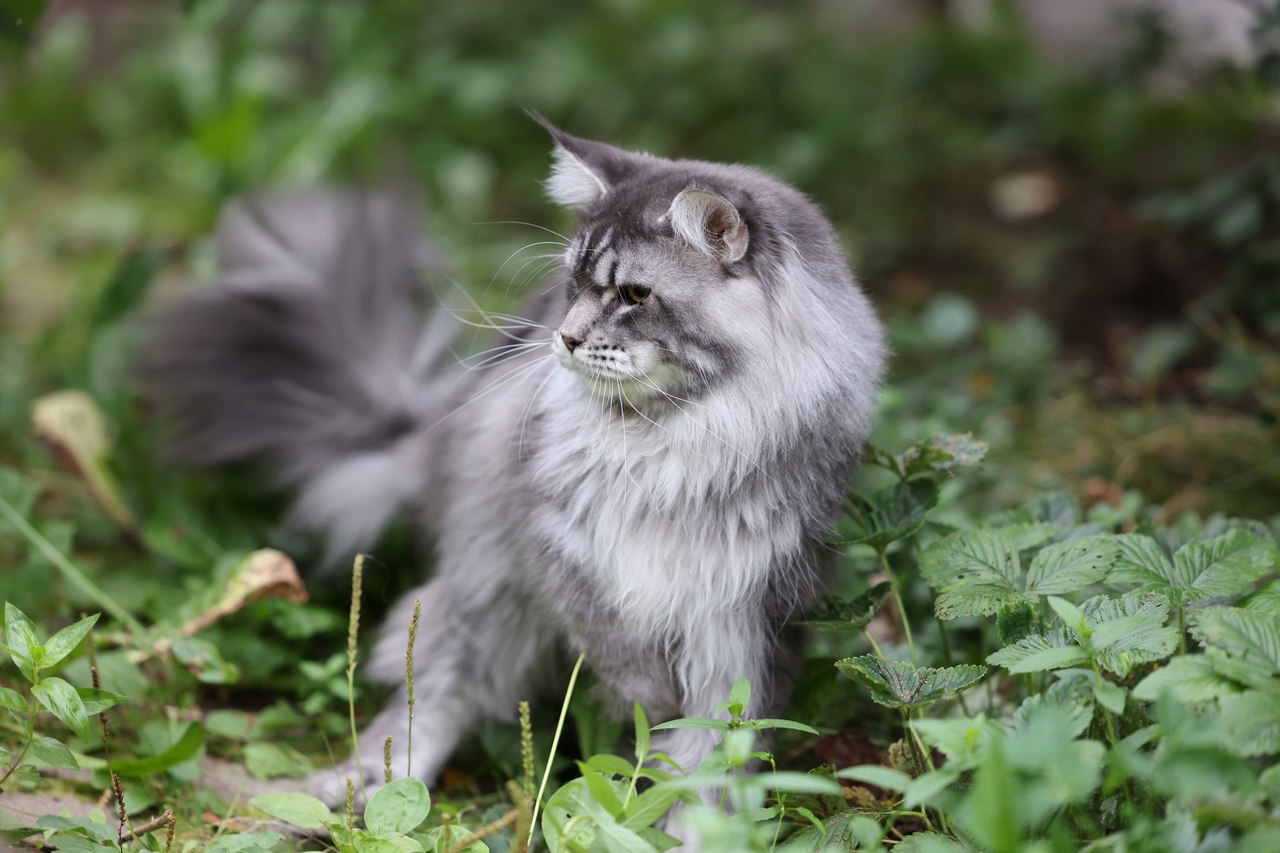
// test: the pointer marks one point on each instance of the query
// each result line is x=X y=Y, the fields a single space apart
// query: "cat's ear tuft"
x=710 y=224
x=574 y=182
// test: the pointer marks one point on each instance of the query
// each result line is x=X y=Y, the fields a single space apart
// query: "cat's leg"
x=475 y=656
x=715 y=654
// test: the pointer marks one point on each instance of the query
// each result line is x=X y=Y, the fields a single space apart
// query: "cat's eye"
x=634 y=294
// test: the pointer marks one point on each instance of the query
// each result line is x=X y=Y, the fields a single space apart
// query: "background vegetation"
x=1078 y=266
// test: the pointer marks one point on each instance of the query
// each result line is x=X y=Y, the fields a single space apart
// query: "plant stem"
x=31 y=736
x=902 y=610
x=69 y=569
x=353 y=631
x=555 y=743
x=1182 y=632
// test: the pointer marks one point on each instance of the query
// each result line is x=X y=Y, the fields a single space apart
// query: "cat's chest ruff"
x=665 y=536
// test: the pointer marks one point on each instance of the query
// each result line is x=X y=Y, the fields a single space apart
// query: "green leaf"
x=791 y=725
x=1227 y=565
x=65 y=641
x=833 y=613
x=893 y=513
x=596 y=830
x=897 y=684
x=53 y=753
x=1071 y=616
x=295 y=809
x=1018 y=620
x=1037 y=654
x=21 y=641
x=840 y=832
x=1266 y=599
x=13 y=700
x=1110 y=696
x=62 y=700
x=1071 y=565
x=1251 y=721
x=615 y=764
x=650 y=805
x=1191 y=678
x=642 y=734
x=97 y=831
x=1129 y=631
x=399 y=807
x=248 y=842
x=203 y=660
x=96 y=701
x=1243 y=645
x=184 y=750
x=693 y=723
x=265 y=760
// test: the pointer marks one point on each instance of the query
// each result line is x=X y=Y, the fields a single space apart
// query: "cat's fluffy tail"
x=310 y=350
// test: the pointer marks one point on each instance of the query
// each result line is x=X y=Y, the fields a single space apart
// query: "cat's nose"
x=570 y=343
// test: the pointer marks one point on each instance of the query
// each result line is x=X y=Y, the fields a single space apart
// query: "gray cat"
x=643 y=470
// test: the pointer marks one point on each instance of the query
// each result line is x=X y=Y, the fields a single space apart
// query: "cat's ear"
x=710 y=224
x=583 y=171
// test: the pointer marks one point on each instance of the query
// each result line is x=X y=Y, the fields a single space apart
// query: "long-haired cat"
x=643 y=472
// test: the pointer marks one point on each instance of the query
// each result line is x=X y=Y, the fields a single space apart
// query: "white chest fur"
x=673 y=524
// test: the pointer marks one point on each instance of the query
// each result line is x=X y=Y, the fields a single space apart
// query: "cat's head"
x=683 y=275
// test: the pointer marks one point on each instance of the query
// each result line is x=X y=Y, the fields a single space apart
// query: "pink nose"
x=570 y=343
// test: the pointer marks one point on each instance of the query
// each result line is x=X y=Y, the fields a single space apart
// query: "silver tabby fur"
x=647 y=483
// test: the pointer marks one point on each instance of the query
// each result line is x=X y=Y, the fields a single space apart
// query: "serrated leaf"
x=399 y=807
x=1071 y=565
x=1057 y=508
x=972 y=555
x=65 y=641
x=897 y=684
x=1016 y=621
x=1037 y=654
x=888 y=515
x=62 y=700
x=295 y=809
x=1226 y=565
x=1251 y=721
x=1266 y=599
x=833 y=613
x=1191 y=678
x=1242 y=644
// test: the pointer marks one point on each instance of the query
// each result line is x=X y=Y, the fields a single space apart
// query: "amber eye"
x=633 y=294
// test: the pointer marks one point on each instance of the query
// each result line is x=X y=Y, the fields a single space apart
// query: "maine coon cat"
x=642 y=471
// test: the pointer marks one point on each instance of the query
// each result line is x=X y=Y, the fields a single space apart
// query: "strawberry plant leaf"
x=897 y=684
x=1251 y=722
x=833 y=613
x=1193 y=679
x=890 y=514
x=1226 y=565
x=1243 y=645
x=1071 y=565
x=1266 y=599
x=1037 y=654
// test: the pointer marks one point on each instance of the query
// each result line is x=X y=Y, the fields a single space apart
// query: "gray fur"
x=649 y=482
